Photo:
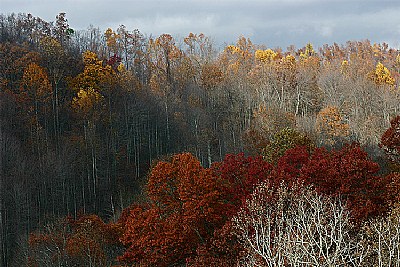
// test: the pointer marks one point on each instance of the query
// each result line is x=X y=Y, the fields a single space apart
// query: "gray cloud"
x=269 y=22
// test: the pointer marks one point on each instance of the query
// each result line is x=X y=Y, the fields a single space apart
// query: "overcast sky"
x=269 y=22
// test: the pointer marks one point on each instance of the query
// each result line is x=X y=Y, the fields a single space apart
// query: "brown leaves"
x=211 y=76
x=13 y=61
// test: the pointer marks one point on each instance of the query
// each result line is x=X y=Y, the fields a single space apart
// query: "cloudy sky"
x=269 y=22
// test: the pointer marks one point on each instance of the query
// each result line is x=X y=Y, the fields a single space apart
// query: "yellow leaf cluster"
x=121 y=67
x=266 y=56
x=382 y=76
x=86 y=99
x=237 y=50
x=376 y=49
x=95 y=81
x=90 y=58
x=309 y=51
x=237 y=57
x=398 y=59
x=233 y=49
x=234 y=67
x=344 y=66
x=51 y=47
x=95 y=74
x=290 y=59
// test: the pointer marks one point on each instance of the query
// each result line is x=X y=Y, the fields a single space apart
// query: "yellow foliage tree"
x=381 y=75
x=112 y=40
x=266 y=56
x=92 y=85
x=238 y=57
x=86 y=100
x=289 y=60
x=94 y=75
x=287 y=70
x=344 y=67
x=309 y=58
x=309 y=51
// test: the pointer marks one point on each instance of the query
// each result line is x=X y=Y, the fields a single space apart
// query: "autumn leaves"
x=189 y=206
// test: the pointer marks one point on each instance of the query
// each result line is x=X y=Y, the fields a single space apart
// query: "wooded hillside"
x=119 y=147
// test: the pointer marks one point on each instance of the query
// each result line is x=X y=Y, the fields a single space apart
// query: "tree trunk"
x=167 y=126
x=209 y=158
x=56 y=122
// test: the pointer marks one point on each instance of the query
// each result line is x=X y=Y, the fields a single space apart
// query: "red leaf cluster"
x=351 y=174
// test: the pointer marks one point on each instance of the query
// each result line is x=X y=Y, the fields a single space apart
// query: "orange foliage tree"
x=36 y=91
x=331 y=125
x=185 y=207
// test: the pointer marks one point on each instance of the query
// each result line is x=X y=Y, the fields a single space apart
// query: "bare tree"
x=383 y=235
x=296 y=227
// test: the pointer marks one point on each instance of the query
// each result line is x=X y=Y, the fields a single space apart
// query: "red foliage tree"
x=188 y=203
x=390 y=140
x=349 y=173
x=289 y=166
x=222 y=250
x=239 y=175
